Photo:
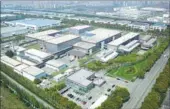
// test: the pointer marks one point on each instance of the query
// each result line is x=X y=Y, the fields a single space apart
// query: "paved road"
x=166 y=102
x=142 y=87
x=32 y=94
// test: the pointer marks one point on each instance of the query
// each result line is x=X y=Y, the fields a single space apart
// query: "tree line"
x=52 y=97
x=155 y=98
x=116 y=99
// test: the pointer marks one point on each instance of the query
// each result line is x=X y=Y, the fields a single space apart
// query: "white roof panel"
x=55 y=63
x=123 y=39
x=100 y=34
x=99 y=101
x=38 y=53
x=79 y=27
x=84 y=45
x=62 y=39
x=81 y=76
x=10 y=61
x=32 y=70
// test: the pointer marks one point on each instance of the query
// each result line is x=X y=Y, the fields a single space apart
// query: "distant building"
x=8 y=17
x=138 y=25
x=79 y=29
x=58 y=77
x=158 y=26
x=35 y=23
x=10 y=31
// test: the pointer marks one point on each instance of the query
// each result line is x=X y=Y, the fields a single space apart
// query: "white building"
x=19 y=50
x=33 y=73
x=141 y=26
x=37 y=55
x=123 y=40
x=149 y=44
x=101 y=36
x=10 y=31
x=158 y=26
x=18 y=69
x=56 y=65
x=9 y=61
x=85 y=47
x=106 y=55
x=35 y=23
x=59 y=77
x=99 y=101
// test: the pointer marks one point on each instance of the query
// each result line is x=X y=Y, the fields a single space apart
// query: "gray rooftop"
x=81 y=76
x=84 y=45
x=11 y=29
x=76 y=53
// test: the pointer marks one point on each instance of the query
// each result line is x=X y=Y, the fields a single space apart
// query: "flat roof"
x=84 y=45
x=39 y=22
x=145 y=38
x=76 y=53
x=11 y=29
x=81 y=76
x=79 y=27
x=32 y=70
x=42 y=33
x=38 y=53
x=151 y=41
x=20 y=67
x=10 y=61
x=55 y=63
x=100 y=34
x=123 y=39
x=62 y=38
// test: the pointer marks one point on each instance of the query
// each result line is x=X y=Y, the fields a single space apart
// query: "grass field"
x=35 y=46
x=10 y=101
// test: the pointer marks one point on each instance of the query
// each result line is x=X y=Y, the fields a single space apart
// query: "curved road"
x=26 y=90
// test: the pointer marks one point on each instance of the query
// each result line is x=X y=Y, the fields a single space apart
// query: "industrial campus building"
x=34 y=23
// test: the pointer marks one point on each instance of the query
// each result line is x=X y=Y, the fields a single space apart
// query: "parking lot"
x=89 y=98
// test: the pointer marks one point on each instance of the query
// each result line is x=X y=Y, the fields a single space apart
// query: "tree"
x=9 y=53
x=37 y=81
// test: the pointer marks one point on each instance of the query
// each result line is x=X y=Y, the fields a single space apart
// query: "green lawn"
x=10 y=101
x=34 y=46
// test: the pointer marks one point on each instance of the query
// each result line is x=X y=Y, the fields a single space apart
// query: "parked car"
x=70 y=95
x=84 y=102
x=118 y=78
x=90 y=98
x=126 y=81
x=108 y=90
x=113 y=85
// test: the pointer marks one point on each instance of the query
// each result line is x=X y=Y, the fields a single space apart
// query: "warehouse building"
x=129 y=47
x=158 y=26
x=145 y=38
x=25 y=61
x=59 y=77
x=106 y=55
x=33 y=73
x=123 y=40
x=61 y=44
x=85 y=47
x=35 y=23
x=10 y=31
x=9 y=61
x=80 y=81
x=18 y=69
x=19 y=50
x=75 y=54
x=56 y=65
x=149 y=44
x=38 y=55
x=8 y=17
x=100 y=37
x=54 y=42
x=138 y=25
x=79 y=29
